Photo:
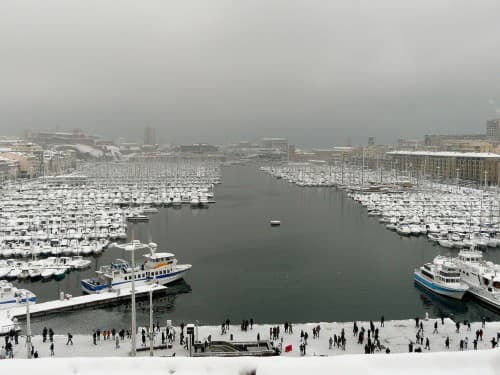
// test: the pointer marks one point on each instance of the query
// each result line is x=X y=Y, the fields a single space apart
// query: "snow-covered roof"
x=84 y=149
x=446 y=154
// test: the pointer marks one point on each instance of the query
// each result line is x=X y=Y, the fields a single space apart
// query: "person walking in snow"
x=435 y=327
x=427 y=344
x=70 y=339
x=447 y=342
x=52 y=349
x=117 y=342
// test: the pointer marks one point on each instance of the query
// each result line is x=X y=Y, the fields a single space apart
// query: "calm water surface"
x=328 y=261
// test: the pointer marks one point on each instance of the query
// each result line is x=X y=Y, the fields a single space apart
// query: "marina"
x=322 y=223
x=79 y=214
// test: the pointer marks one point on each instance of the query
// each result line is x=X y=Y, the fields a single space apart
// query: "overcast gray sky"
x=318 y=72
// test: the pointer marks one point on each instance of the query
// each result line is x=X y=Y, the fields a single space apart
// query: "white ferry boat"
x=10 y=296
x=441 y=277
x=158 y=267
x=482 y=277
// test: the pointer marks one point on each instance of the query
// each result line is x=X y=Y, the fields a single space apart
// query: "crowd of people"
x=371 y=337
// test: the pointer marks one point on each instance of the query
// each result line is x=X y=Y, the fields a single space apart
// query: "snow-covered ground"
x=484 y=363
x=395 y=335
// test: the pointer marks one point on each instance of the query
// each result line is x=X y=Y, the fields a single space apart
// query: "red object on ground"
x=288 y=348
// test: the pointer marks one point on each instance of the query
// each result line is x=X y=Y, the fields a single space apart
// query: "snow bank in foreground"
x=457 y=363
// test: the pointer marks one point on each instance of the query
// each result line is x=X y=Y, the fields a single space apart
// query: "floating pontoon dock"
x=81 y=302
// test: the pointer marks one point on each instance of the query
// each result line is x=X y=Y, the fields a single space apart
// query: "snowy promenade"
x=395 y=335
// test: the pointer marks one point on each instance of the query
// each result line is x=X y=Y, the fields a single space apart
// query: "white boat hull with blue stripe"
x=10 y=296
x=161 y=268
x=441 y=277
x=438 y=289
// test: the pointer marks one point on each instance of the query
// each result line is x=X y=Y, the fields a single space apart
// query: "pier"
x=8 y=316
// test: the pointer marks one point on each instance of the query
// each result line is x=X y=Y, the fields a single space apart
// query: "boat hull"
x=92 y=288
x=8 y=303
x=439 y=289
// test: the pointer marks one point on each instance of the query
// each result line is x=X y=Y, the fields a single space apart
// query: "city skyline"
x=320 y=72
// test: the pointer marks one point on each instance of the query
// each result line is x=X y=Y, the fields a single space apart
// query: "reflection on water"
x=438 y=305
x=469 y=308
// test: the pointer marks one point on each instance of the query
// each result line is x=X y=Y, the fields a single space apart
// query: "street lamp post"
x=197 y=324
x=151 y=327
x=132 y=246
x=134 y=328
x=28 y=325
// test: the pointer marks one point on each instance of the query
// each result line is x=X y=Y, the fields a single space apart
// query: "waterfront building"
x=276 y=143
x=57 y=137
x=473 y=166
x=149 y=136
x=8 y=168
x=330 y=155
x=27 y=164
x=198 y=148
x=454 y=142
x=292 y=155
x=493 y=130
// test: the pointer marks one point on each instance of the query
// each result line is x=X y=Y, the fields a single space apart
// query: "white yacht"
x=158 y=267
x=441 y=277
x=481 y=276
x=11 y=296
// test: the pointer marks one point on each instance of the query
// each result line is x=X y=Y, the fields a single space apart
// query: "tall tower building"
x=493 y=129
x=149 y=136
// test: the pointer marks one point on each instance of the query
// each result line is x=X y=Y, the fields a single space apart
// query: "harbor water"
x=328 y=261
